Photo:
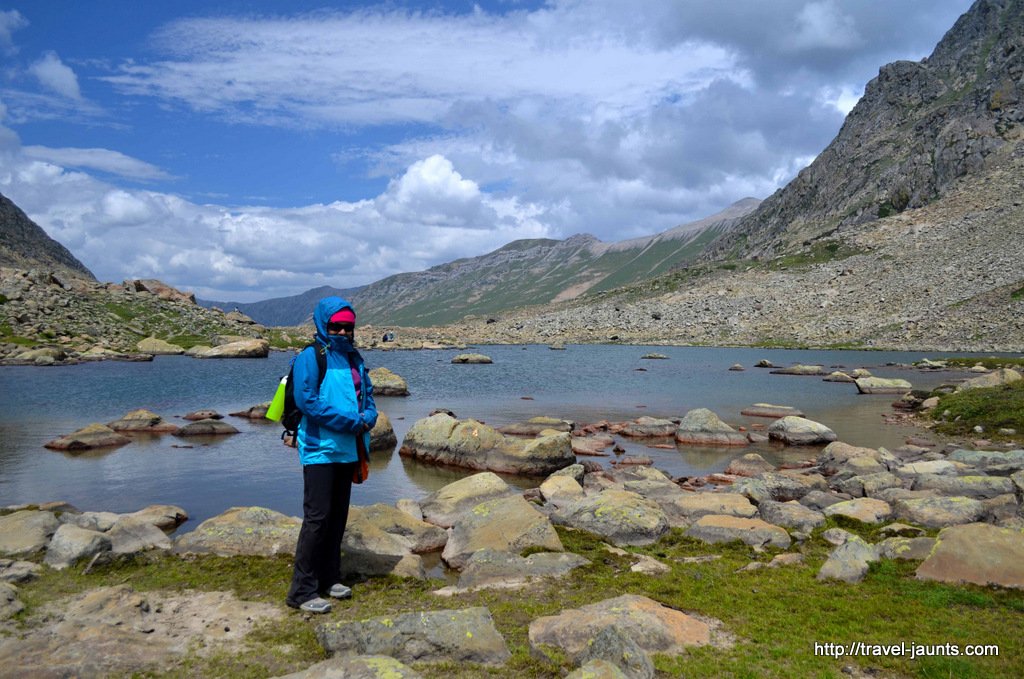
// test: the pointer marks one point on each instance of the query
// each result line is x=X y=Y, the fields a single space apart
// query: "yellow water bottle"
x=276 y=409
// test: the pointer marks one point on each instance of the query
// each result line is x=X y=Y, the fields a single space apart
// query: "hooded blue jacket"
x=332 y=416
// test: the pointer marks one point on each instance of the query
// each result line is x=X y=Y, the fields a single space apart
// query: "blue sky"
x=247 y=150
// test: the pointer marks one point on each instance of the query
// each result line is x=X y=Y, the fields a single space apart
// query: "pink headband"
x=343 y=316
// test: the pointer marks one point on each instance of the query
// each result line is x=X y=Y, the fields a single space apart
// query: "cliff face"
x=24 y=245
x=918 y=128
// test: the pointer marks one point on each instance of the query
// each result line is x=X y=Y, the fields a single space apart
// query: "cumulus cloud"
x=480 y=128
x=56 y=76
x=103 y=160
x=10 y=21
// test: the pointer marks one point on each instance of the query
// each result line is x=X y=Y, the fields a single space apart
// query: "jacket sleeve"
x=370 y=413
x=307 y=398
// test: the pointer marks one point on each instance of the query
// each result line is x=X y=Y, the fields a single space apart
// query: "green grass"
x=7 y=335
x=818 y=253
x=992 y=408
x=773 y=616
x=1018 y=293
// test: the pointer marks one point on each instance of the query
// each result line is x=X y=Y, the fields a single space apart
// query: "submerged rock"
x=88 y=438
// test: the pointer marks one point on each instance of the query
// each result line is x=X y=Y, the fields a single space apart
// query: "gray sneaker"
x=339 y=591
x=316 y=605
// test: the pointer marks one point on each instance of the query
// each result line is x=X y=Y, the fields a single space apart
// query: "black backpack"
x=291 y=416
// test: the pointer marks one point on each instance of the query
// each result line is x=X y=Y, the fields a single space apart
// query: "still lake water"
x=582 y=383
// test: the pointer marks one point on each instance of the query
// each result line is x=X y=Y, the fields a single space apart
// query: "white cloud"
x=55 y=76
x=258 y=252
x=10 y=21
x=824 y=25
x=104 y=160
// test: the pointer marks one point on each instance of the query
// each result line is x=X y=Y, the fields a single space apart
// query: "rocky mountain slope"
x=918 y=128
x=23 y=243
x=282 y=311
x=540 y=271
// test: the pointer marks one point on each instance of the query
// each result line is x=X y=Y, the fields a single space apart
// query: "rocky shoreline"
x=954 y=509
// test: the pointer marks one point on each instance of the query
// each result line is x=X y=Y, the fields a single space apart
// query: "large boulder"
x=653 y=627
x=158 y=347
x=992 y=379
x=474 y=445
x=703 y=427
x=382 y=436
x=455 y=636
x=71 y=544
x=749 y=465
x=26 y=531
x=882 y=385
x=87 y=438
x=384 y=540
x=446 y=505
x=620 y=516
x=939 y=512
x=243 y=530
x=977 y=553
x=715 y=528
x=248 y=348
x=793 y=515
x=507 y=524
x=387 y=383
x=799 y=431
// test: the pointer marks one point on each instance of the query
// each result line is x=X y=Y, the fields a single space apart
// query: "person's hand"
x=288 y=441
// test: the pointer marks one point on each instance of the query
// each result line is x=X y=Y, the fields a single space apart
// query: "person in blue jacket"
x=338 y=414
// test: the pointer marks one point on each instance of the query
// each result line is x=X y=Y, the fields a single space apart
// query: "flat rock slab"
x=142 y=421
x=466 y=635
x=357 y=667
x=653 y=627
x=508 y=524
x=89 y=437
x=444 y=506
x=754 y=532
x=906 y=549
x=977 y=553
x=649 y=427
x=939 y=512
x=691 y=506
x=535 y=425
x=770 y=410
x=619 y=516
x=493 y=569
x=881 y=385
x=865 y=510
x=800 y=369
x=472 y=359
x=978 y=487
x=117 y=631
x=207 y=427
x=243 y=530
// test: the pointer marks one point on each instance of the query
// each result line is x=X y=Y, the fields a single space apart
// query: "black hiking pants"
x=327 y=490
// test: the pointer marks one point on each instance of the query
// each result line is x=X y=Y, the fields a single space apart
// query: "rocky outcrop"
x=474 y=445
x=977 y=553
x=242 y=530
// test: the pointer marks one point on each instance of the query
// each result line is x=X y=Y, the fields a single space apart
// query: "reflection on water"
x=585 y=384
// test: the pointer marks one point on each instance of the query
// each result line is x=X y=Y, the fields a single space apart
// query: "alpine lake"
x=584 y=384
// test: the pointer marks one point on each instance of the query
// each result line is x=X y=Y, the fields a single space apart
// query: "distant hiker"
x=333 y=437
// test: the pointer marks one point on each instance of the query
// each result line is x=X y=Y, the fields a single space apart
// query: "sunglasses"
x=339 y=327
